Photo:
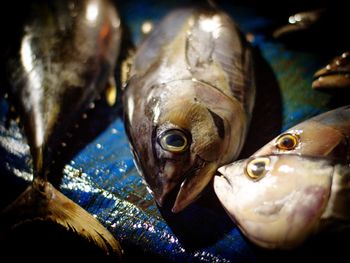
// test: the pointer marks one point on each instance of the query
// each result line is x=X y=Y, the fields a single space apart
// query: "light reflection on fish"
x=60 y=59
x=294 y=186
x=188 y=101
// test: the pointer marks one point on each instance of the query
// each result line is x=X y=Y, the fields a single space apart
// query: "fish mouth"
x=170 y=188
x=325 y=73
x=195 y=180
x=221 y=173
x=336 y=79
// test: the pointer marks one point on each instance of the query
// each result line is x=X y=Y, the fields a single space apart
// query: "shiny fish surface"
x=188 y=101
x=60 y=58
x=280 y=195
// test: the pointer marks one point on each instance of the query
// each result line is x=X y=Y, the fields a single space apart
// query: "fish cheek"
x=171 y=166
x=207 y=143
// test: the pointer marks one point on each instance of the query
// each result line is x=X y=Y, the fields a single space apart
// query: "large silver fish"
x=60 y=58
x=188 y=101
x=294 y=186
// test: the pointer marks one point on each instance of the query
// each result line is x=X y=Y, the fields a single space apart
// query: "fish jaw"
x=336 y=80
x=192 y=186
x=280 y=210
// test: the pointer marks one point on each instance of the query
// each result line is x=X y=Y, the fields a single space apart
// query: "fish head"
x=311 y=137
x=275 y=200
x=184 y=135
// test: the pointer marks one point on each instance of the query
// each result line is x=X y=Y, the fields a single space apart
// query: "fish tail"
x=42 y=202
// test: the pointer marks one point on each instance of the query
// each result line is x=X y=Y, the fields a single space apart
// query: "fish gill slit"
x=219 y=123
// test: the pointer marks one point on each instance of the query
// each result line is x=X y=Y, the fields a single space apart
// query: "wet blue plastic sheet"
x=102 y=178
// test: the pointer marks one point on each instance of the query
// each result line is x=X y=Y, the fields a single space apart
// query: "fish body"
x=292 y=187
x=60 y=58
x=188 y=101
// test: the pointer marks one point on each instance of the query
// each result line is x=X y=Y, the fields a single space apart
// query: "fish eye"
x=287 y=142
x=174 y=141
x=257 y=168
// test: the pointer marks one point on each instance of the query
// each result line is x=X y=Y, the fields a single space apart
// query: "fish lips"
x=188 y=188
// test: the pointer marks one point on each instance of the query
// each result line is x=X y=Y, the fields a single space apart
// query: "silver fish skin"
x=188 y=101
x=280 y=195
x=293 y=198
x=60 y=60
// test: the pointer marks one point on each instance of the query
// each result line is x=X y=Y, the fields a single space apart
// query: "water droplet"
x=98 y=146
x=114 y=131
x=146 y=27
x=92 y=105
x=84 y=116
x=64 y=144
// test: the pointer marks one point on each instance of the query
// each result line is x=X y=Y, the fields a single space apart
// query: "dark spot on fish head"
x=219 y=123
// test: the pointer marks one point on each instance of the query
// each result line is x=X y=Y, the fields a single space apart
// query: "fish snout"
x=193 y=185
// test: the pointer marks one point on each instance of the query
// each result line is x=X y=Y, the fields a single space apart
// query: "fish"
x=320 y=29
x=300 y=21
x=61 y=57
x=188 y=100
x=294 y=185
x=278 y=201
x=335 y=75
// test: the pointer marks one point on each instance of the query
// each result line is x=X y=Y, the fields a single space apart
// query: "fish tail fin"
x=42 y=202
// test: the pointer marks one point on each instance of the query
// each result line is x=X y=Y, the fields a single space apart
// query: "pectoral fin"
x=45 y=203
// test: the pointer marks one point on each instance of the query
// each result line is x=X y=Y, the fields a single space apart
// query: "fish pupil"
x=258 y=168
x=287 y=142
x=175 y=140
